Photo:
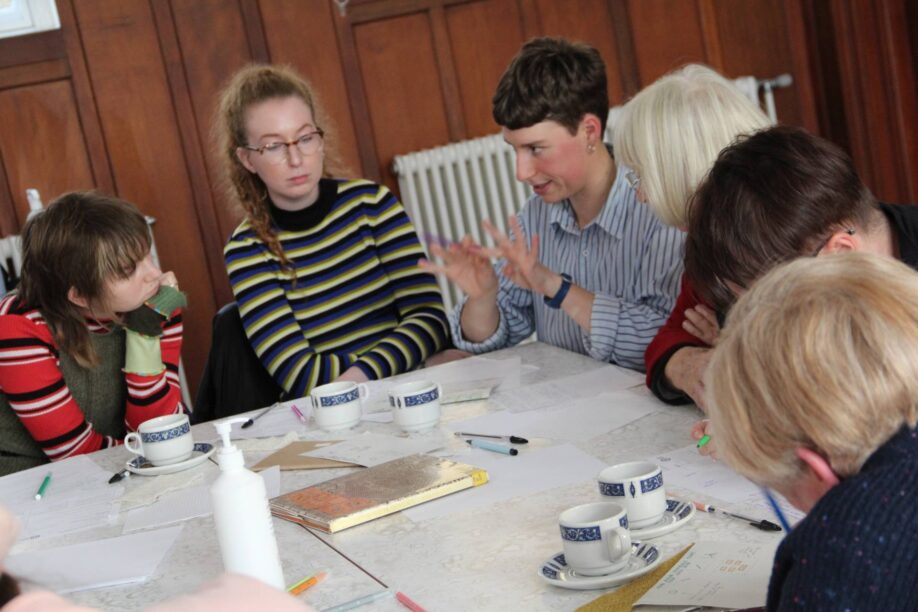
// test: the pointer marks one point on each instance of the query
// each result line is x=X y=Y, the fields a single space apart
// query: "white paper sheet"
x=78 y=497
x=686 y=468
x=187 y=504
x=378 y=417
x=98 y=564
x=560 y=392
x=716 y=574
x=579 y=420
x=531 y=471
x=371 y=449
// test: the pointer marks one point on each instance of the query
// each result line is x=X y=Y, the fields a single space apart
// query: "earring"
x=591 y=148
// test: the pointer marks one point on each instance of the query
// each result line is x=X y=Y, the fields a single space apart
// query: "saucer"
x=200 y=453
x=644 y=557
x=676 y=515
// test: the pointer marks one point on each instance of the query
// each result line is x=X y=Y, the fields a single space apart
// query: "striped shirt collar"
x=611 y=219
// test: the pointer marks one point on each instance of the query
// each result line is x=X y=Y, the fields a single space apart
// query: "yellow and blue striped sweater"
x=355 y=295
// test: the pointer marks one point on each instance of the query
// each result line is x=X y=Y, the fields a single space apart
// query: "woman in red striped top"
x=90 y=343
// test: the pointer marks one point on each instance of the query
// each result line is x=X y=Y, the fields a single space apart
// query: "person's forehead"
x=543 y=131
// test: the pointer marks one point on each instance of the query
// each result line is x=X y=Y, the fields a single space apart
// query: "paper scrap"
x=292 y=457
x=279 y=421
x=563 y=391
x=717 y=574
x=97 y=564
x=531 y=471
x=371 y=449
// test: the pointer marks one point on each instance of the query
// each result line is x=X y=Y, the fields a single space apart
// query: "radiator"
x=448 y=190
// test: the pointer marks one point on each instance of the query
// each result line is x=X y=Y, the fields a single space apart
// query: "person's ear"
x=819 y=467
x=75 y=298
x=842 y=241
x=243 y=156
x=592 y=127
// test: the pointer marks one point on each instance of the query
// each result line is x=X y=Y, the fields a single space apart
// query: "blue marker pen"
x=497 y=448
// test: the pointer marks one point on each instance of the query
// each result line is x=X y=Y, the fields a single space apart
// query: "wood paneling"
x=588 y=21
x=40 y=124
x=484 y=37
x=33 y=73
x=40 y=47
x=139 y=123
x=666 y=35
x=316 y=57
x=402 y=86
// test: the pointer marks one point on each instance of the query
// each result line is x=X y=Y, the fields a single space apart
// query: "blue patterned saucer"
x=676 y=515
x=556 y=571
x=200 y=453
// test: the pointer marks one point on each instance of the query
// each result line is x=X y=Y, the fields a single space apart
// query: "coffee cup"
x=596 y=538
x=638 y=486
x=415 y=405
x=338 y=405
x=162 y=440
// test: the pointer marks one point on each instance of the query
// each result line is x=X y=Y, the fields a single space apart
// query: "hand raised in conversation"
x=522 y=259
x=466 y=264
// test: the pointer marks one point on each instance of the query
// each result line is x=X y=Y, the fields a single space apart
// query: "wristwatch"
x=555 y=302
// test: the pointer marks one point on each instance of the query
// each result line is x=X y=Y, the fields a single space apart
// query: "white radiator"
x=447 y=191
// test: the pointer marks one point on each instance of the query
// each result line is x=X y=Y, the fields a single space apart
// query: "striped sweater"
x=36 y=389
x=354 y=295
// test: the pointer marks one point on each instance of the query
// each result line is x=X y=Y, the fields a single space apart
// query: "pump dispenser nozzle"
x=229 y=456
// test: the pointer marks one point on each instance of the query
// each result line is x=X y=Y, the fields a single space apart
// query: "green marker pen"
x=703 y=440
x=43 y=487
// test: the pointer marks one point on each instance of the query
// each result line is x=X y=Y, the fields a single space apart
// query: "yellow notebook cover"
x=362 y=496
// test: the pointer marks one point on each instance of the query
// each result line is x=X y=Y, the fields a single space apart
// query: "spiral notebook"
x=377 y=491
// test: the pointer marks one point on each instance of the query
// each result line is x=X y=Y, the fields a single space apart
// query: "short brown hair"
x=552 y=79
x=820 y=354
x=769 y=198
x=81 y=240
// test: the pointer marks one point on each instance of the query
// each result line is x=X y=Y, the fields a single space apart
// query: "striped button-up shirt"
x=626 y=257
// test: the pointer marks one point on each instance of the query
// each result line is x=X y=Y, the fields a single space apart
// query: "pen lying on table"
x=252 y=420
x=119 y=476
x=758 y=524
x=510 y=439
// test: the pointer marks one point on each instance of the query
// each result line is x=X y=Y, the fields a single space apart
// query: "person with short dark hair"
x=777 y=195
x=588 y=268
x=90 y=341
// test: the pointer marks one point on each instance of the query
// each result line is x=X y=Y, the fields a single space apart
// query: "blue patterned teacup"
x=338 y=405
x=638 y=486
x=415 y=405
x=162 y=440
x=596 y=538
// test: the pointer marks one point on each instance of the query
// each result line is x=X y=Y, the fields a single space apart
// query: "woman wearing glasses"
x=324 y=269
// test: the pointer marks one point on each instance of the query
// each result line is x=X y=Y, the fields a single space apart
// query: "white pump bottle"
x=242 y=516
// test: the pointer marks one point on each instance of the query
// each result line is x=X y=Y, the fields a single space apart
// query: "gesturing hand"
x=466 y=264
x=522 y=259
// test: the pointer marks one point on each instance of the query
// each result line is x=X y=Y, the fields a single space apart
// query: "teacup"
x=596 y=538
x=638 y=486
x=338 y=405
x=162 y=440
x=415 y=405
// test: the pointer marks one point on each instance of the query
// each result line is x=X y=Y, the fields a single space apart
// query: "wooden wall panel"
x=588 y=21
x=40 y=127
x=666 y=34
x=145 y=149
x=754 y=42
x=316 y=57
x=208 y=61
x=402 y=83
x=484 y=37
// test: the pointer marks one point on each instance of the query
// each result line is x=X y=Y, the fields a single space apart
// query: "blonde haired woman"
x=669 y=135
x=813 y=391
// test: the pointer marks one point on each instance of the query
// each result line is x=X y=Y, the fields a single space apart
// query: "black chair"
x=234 y=379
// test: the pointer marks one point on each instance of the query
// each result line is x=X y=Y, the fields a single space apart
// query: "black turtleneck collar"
x=309 y=217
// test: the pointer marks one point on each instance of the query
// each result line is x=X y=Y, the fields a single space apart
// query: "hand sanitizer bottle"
x=244 y=526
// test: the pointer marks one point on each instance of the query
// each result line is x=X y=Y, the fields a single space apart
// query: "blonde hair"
x=671 y=132
x=249 y=86
x=822 y=354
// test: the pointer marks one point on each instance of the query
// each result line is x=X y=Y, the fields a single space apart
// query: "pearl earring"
x=591 y=148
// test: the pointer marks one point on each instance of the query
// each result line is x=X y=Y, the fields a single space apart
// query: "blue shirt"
x=626 y=257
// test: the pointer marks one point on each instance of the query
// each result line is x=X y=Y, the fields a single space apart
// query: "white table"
x=485 y=559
